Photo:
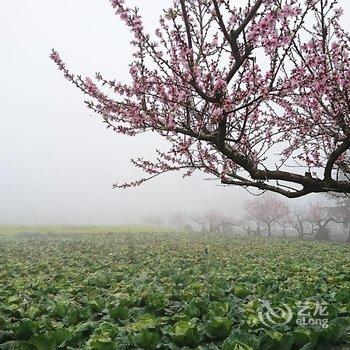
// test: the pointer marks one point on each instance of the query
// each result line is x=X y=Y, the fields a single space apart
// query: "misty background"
x=57 y=160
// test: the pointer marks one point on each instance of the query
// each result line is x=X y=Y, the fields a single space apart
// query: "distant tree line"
x=268 y=215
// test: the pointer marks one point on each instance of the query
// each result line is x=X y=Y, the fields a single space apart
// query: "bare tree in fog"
x=284 y=224
x=213 y=221
x=321 y=215
x=342 y=212
x=181 y=221
x=154 y=220
x=267 y=210
x=299 y=221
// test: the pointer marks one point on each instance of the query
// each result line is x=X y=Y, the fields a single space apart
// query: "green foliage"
x=36 y=231
x=241 y=340
x=83 y=291
x=145 y=340
x=185 y=333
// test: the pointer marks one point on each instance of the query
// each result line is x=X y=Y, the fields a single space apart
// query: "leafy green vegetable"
x=145 y=340
x=185 y=333
x=143 y=291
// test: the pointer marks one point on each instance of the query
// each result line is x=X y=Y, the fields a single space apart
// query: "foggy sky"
x=57 y=161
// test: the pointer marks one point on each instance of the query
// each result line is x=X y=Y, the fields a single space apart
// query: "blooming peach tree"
x=256 y=96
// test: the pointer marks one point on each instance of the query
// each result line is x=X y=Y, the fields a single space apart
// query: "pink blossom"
x=234 y=104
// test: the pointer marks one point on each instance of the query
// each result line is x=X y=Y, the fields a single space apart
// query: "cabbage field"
x=172 y=291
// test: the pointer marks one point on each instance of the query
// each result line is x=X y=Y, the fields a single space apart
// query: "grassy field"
x=172 y=291
x=84 y=229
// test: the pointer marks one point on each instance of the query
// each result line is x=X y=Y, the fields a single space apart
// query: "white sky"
x=57 y=162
